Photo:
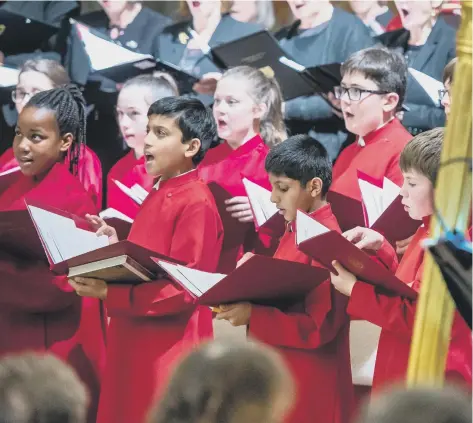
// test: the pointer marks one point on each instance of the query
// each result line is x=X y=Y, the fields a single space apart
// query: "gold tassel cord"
x=435 y=309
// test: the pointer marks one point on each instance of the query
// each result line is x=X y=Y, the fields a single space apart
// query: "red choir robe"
x=312 y=336
x=395 y=315
x=129 y=171
x=378 y=157
x=39 y=310
x=225 y=167
x=154 y=323
x=89 y=171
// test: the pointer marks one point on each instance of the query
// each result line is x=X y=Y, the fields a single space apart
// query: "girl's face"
x=29 y=84
x=236 y=113
x=37 y=145
x=132 y=116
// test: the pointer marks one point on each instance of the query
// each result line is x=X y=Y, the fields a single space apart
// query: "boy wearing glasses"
x=371 y=93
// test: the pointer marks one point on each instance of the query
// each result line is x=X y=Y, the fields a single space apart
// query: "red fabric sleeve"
x=319 y=324
x=197 y=242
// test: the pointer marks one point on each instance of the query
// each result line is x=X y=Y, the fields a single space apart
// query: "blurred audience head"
x=446 y=95
x=35 y=76
x=418 y=405
x=202 y=9
x=40 y=389
x=227 y=383
x=417 y=14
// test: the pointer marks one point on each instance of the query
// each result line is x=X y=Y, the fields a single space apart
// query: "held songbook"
x=118 y=220
x=325 y=246
x=265 y=212
x=260 y=280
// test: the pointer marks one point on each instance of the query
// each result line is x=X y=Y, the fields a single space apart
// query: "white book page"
x=62 y=238
x=10 y=171
x=307 y=228
x=113 y=213
x=196 y=281
x=139 y=192
x=372 y=197
x=130 y=192
x=364 y=340
x=105 y=54
x=260 y=199
x=430 y=85
x=8 y=76
x=390 y=193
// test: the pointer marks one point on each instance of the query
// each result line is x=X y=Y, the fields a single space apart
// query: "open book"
x=264 y=211
x=383 y=209
x=110 y=59
x=260 y=280
x=8 y=76
x=137 y=193
x=430 y=85
x=325 y=246
x=112 y=213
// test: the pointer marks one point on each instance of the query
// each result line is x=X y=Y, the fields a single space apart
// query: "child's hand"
x=401 y=246
x=244 y=259
x=364 y=238
x=240 y=209
x=88 y=287
x=101 y=228
x=344 y=281
x=237 y=314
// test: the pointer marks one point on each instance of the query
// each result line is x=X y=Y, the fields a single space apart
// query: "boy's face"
x=368 y=113
x=417 y=195
x=165 y=153
x=289 y=195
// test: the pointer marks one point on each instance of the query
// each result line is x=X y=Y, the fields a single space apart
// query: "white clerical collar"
x=156 y=185
x=361 y=141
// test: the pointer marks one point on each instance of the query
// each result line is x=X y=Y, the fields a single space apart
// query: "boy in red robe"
x=38 y=310
x=312 y=335
x=371 y=93
x=152 y=324
x=420 y=161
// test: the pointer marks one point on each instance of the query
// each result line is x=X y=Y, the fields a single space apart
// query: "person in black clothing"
x=374 y=14
x=321 y=35
x=185 y=44
x=55 y=13
x=428 y=44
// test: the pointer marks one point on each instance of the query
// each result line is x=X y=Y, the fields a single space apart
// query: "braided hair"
x=68 y=105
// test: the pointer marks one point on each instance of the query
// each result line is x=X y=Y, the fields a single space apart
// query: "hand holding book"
x=364 y=238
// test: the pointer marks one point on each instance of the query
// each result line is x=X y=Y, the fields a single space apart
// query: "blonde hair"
x=264 y=90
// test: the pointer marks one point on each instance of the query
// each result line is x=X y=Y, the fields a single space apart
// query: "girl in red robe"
x=248 y=111
x=38 y=310
x=133 y=103
x=41 y=75
x=420 y=161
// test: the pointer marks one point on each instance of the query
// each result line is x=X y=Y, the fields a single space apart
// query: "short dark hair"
x=418 y=405
x=449 y=71
x=193 y=119
x=423 y=153
x=301 y=158
x=38 y=388
x=386 y=68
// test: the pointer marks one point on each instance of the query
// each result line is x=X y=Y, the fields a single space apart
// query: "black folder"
x=261 y=50
x=20 y=34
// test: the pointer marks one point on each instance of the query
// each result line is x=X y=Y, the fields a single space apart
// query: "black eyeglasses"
x=354 y=93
